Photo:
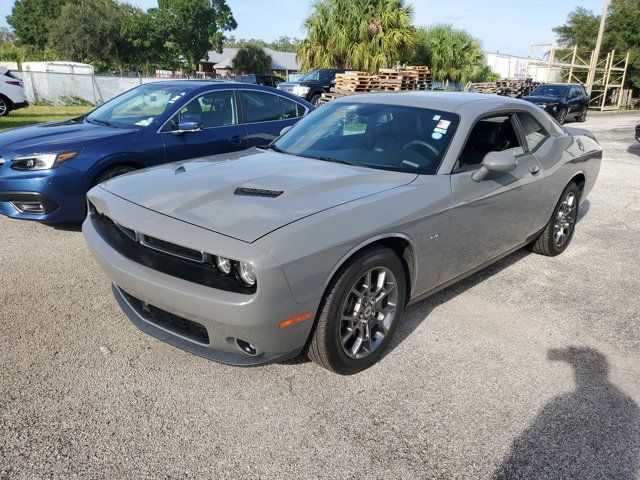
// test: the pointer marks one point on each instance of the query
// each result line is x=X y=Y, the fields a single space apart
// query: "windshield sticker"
x=444 y=124
x=436 y=135
x=436 y=118
x=411 y=164
x=440 y=130
x=145 y=122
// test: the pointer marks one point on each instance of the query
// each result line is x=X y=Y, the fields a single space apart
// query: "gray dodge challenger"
x=316 y=243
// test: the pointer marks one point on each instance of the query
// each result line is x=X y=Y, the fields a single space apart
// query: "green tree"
x=251 y=58
x=452 y=55
x=30 y=20
x=622 y=33
x=357 y=34
x=285 y=44
x=88 y=32
x=7 y=37
x=193 y=27
x=141 y=44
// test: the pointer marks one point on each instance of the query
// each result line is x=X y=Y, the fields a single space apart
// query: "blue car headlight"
x=41 y=161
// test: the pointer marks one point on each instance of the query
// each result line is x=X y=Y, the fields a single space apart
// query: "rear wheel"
x=559 y=231
x=5 y=107
x=359 y=312
x=583 y=116
x=113 y=172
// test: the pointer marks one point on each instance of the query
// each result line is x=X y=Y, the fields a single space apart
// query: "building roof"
x=279 y=60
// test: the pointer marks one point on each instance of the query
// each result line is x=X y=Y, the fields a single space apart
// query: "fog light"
x=246 y=347
x=223 y=264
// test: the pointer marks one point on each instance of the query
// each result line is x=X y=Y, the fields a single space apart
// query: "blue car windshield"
x=388 y=137
x=139 y=107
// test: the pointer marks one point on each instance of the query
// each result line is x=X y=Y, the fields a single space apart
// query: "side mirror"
x=285 y=130
x=495 y=162
x=188 y=125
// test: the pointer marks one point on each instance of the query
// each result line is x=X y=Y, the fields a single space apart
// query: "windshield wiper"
x=274 y=147
x=336 y=160
x=101 y=122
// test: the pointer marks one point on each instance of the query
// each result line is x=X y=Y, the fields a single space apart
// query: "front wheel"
x=113 y=172
x=561 y=117
x=559 y=231
x=359 y=312
x=315 y=100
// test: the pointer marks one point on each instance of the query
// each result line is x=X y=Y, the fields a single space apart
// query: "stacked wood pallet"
x=509 y=87
x=351 y=82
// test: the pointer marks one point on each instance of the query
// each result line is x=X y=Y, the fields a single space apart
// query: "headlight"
x=41 y=161
x=300 y=90
x=247 y=273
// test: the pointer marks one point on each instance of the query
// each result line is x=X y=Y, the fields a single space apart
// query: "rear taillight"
x=15 y=84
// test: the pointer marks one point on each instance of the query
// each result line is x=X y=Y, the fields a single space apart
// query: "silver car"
x=317 y=243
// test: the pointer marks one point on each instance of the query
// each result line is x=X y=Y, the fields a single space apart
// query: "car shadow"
x=67 y=227
x=590 y=432
x=634 y=149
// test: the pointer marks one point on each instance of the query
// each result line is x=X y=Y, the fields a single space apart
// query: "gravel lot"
x=529 y=369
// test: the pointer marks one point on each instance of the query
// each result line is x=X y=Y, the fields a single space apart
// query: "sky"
x=505 y=26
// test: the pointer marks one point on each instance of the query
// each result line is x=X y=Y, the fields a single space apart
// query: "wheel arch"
x=8 y=100
x=132 y=160
x=579 y=179
x=399 y=243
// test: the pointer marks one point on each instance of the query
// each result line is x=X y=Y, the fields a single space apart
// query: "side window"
x=533 y=131
x=213 y=109
x=265 y=107
x=490 y=134
x=260 y=107
x=290 y=109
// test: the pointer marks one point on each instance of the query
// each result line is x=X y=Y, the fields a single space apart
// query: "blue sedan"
x=46 y=169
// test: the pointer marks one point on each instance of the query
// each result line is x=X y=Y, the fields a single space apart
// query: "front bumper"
x=197 y=318
x=51 y=196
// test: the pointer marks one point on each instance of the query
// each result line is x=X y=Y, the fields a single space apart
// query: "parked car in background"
x=46 y=170
x=12 y=95
x=561 y=100
x=320 y=240
x=260 y=79
x=638 y=132
x=312 y=85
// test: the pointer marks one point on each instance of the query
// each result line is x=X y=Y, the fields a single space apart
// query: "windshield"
x=557 y=91
x=138 y=107
x=389 y=137
x=313 y=76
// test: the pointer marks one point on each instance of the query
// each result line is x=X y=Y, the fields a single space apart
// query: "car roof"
x=445 y=101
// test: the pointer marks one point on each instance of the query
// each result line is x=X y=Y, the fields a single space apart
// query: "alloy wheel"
x=3 y=108
x=368 y=312
x=565 y=219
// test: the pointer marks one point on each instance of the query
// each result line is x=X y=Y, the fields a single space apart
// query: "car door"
x=574 y=102
x=494 y=215
x=221 y=132
x=266 y=114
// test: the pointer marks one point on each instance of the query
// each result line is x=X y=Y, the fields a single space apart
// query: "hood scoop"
x=249 y=191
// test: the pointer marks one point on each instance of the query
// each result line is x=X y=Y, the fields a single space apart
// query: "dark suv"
x=260 y=79
x=561 y=100
x=313 y=84
x=638 y=132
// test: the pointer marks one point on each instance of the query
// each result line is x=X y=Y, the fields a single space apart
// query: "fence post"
x=93 y=88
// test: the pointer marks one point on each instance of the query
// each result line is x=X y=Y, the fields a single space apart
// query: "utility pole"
x=596 y=52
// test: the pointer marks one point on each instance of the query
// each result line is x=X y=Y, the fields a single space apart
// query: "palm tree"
x=358 y=34
x=251 y=58
x=452 y=55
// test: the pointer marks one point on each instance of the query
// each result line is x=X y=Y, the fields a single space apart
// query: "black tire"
x=325 y=347
x=583 y=116
x=5 y=106
x=315 y=99
x=112 y=172
x=546 y=243
x=561 y=117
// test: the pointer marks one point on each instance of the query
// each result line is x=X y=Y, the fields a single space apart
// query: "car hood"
x=537 y=99
x=305 y=83
x=55 y=136
x=249 y=194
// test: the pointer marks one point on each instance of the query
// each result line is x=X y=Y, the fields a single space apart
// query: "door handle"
x=534 y=169
x=236 y=139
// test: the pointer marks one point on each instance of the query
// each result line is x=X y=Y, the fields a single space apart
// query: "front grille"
x=174 y=323
x=165 y=257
